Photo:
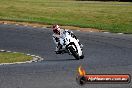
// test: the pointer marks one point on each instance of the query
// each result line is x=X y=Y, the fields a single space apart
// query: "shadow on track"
x=59 y=60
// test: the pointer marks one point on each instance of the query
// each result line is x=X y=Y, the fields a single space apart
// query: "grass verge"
x=111 y=16
x=6 y=57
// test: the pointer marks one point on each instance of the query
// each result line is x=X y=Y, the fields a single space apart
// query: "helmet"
x=56 y=29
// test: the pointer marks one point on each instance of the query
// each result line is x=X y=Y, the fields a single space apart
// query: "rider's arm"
x=55 y=39
x=73 y=35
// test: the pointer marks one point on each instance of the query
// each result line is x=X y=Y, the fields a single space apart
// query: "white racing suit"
x=57 y=38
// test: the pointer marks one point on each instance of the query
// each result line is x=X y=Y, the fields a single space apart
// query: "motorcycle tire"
x=74 y=53
x=81 y=57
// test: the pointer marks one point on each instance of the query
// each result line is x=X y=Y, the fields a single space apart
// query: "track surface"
x=104 y=53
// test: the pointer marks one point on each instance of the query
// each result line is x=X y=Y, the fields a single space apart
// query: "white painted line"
x=28 y=54
x=19 y=62
x=106 y=32
x=91 y=31
x=5 y=23
x=17 y=24
x=28 y=61
x=41 y=58
x=44 y=27
x=78 y=30
x=33 y=55
x=2 y=50
x=37 y=56
x=7 y=63
x=14 y=52
x=8 y=51
x=25 y=25
x=34 y=26
x=120 y=33
x=34 y=59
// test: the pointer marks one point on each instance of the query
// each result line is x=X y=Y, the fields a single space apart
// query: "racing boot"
x=58 y=49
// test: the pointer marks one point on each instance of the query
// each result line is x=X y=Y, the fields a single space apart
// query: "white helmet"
x=56 y=29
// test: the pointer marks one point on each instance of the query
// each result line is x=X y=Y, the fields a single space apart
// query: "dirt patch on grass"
x=25 y=23
x=49 y=26
x=82 y=29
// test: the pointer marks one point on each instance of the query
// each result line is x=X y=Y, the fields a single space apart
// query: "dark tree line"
x=108 y=0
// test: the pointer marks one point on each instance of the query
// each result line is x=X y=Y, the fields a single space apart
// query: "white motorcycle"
x=71 y=45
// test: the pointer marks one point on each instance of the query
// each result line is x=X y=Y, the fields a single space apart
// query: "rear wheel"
x=73 y=52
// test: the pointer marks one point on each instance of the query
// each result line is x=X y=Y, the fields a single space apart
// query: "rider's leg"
x=58 y=49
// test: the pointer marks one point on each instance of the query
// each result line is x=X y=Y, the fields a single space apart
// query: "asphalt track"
x=104 y=53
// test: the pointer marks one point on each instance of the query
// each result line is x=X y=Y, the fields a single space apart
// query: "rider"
x=58 y=34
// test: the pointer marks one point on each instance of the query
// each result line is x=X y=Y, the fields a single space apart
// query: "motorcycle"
x=70 y=44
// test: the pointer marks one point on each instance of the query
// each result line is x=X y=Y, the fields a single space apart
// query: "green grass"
x=111 y=16
x=13 y=57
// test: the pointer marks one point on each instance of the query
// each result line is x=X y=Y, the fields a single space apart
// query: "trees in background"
x=108 y=0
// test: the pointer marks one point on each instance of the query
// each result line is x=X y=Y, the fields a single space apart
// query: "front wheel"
x=82 y=56
x=74 y=53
